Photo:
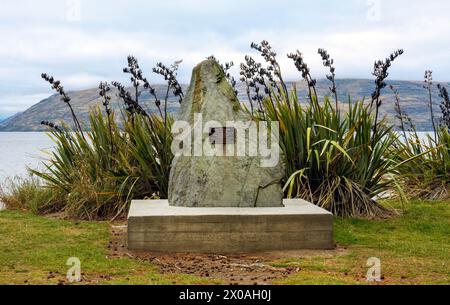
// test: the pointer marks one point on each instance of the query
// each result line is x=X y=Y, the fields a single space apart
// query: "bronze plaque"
x=222 y=135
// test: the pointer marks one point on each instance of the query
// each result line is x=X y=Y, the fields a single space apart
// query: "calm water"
x=21 y=149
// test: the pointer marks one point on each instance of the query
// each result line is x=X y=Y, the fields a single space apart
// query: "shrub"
x=99 y=173
x=340 y=162
x=330 y=159
x=426 y=175
x=97 y=169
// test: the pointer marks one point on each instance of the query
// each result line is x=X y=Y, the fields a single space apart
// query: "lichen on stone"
x=218 y=181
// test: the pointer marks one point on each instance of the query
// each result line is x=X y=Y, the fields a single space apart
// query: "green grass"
x=413 y=247
x=33 y=246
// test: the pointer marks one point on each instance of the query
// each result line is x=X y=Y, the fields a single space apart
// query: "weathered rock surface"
x=220 y=181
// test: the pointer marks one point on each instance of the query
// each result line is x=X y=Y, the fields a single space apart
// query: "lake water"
x=21 y=149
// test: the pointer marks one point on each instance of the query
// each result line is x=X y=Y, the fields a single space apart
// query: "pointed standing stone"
x=220 y=181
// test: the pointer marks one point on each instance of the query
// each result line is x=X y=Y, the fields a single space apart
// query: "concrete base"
x=153 y=225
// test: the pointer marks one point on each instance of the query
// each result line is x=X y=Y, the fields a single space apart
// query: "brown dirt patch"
x=243 y=269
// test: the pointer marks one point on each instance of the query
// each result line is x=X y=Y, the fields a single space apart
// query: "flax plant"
x=94 y=173
x=339 y=162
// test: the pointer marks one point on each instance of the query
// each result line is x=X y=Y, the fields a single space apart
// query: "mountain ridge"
x=413 y=98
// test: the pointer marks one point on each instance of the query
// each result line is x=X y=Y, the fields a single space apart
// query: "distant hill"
x=54 y=110
x=413 y=98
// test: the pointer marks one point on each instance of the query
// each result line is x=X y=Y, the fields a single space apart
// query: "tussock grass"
x=427 y=174
x=27 y=193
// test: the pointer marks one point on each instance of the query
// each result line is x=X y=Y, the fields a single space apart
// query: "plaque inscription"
x=222 y=135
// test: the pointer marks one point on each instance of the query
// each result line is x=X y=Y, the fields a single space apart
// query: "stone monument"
x=225 y=192
x=226 y=180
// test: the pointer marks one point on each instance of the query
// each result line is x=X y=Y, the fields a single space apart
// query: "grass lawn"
x=414 y=248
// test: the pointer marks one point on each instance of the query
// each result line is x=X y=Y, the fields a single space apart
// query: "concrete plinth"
x=153 y=225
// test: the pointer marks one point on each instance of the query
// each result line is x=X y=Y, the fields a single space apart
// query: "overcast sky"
x=85 y=41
